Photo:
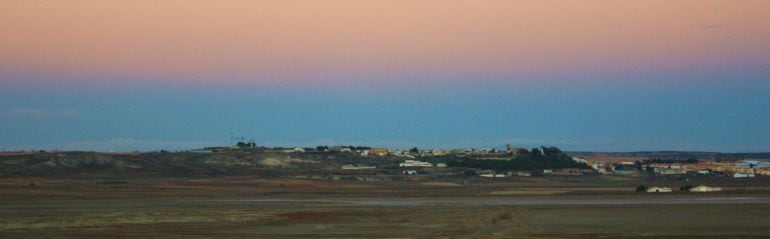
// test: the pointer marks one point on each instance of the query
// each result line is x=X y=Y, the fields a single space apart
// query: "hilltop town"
x=360 y=191
x=362 y=163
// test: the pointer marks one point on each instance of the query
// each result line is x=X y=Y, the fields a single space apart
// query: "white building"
x=492 y=174
x=702 y=188
x=659 y=190
x=522 y=174
x=579 y=160
x=602 y=171
x=415 y=163
x=354 y=167
x=669 y=171
x=409 y=172
x=762 y=165
x=743 y=175
x=294 y=150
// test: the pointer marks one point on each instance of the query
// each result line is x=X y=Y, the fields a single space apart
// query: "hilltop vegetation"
x=536 y=159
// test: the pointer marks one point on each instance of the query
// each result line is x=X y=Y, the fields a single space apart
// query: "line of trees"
x=536 y=159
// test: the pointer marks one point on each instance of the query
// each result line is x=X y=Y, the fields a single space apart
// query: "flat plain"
x=252 y=207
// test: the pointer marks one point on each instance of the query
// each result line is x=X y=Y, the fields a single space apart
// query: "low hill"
x=169 y=164
x=536 y=159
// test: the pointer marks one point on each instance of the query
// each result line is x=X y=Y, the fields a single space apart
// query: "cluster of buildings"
x=493 y=174
x=696 y=189
x=741 y=169
x=242 y=144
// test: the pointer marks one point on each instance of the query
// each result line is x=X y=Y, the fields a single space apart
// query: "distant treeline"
x=660 y=160
x=685 y=155
x=536 y=159
x=746 y=155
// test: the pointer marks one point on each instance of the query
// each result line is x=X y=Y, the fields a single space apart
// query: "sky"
x=594 y=75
